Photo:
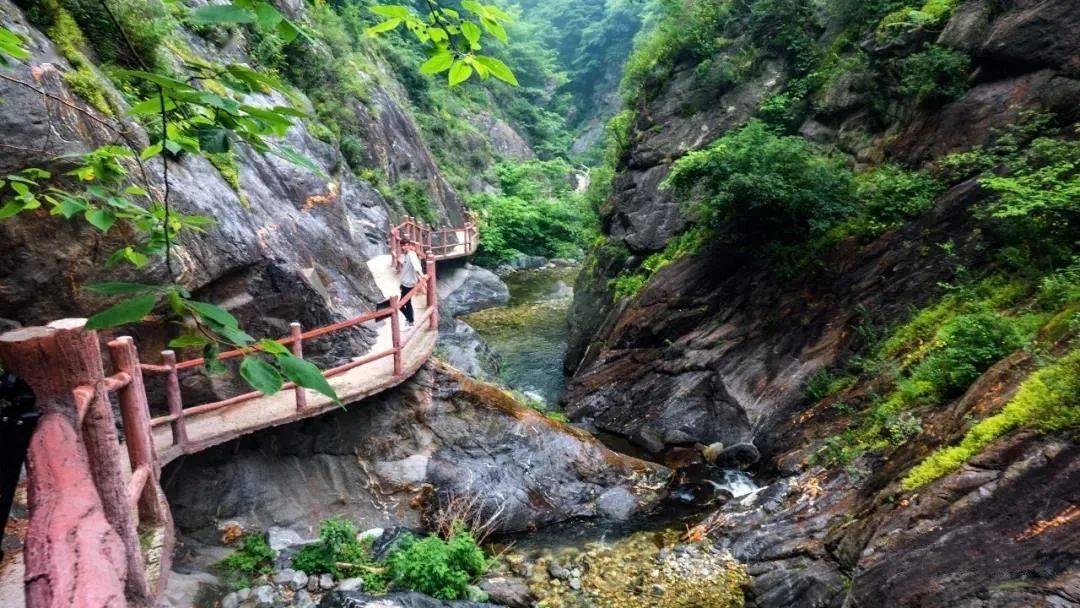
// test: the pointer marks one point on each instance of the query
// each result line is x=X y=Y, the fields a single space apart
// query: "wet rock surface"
x=396 y=458
x=468 y=288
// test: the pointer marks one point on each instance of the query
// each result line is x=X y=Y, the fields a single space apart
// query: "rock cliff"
x=720 y=347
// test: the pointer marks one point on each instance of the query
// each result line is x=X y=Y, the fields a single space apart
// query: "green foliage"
x=755 y=187
x=11 y=46
x=628 y=284
x=964 y=347
x=1038 y=200
x=685 y=31
x=536 y=213
x=453 y=37
x=251 y=559
x=890 y=195
x=932 y=14
x=415 y=200
x=1046 y=401
x=340 y=554
x=935 y=75
x=1061 y=288
x=439 y=568
x=823 y=384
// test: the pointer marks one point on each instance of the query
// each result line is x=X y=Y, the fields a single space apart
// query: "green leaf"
x=117 y=288
x=497 y=68
x=235 y=336
x=102 y=219
x=213 y=313
x=189 y=341
x=260 y=375
x=460 y=72
x=305 y=374
x=472 y=33
x=272 y=347
x=393 y=11
x=212 y=139
x=70 y=207
x=176 y=303
x=296 y=158
x=495 y=29
x=439 y=62
x=128 y=311
x=11 y=45
x=214 y=367
x=385 y=26
x=221 y=13
x=163 y=81
x=267 y=16
x=151 y=107
x=10 y=209
x=289 y=31
x=150 y=151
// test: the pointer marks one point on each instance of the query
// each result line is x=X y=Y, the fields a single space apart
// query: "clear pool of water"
x=530 y=333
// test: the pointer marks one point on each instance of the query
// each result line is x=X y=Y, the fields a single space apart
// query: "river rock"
x=508 y=591
x=461 y=347
x=282 y=538
x=470 y=288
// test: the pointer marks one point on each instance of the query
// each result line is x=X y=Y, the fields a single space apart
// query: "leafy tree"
x=757 y=187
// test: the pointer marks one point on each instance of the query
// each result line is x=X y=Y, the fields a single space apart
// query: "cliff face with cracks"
x=718 y=347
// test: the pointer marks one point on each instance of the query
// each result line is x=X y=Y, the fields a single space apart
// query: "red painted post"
x=175 y=401
x=395 y=333
x=54 y=360
x=432 y=293
x=138 y=436
x=298 y=350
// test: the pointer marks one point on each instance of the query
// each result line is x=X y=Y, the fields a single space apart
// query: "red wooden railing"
x=86 y=514
x=178 y=412
x=443 y=243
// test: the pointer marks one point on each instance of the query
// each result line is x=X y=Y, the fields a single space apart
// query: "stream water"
x=530 y=333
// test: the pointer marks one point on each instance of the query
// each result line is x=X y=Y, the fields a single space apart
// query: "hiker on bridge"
x=411 y=273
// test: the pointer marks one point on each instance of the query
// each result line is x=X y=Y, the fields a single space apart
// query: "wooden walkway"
x=67 y=367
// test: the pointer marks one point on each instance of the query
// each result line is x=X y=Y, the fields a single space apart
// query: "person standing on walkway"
x=411 y=273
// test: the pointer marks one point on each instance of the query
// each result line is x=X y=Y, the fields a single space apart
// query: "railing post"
x=135 y=412
x=55 y=360
x=395 y=333
x=298 y=350
x=395 y=246
x=174 y=401
x=432 y=293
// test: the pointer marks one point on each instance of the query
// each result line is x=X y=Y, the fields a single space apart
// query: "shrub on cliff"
x=935 y=75
x=1047 y=401
x=757 y=187
x=439 y=568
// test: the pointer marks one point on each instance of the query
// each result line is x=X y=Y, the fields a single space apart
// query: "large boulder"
x=468 y=288
x=461 y=347
x=398 y=458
